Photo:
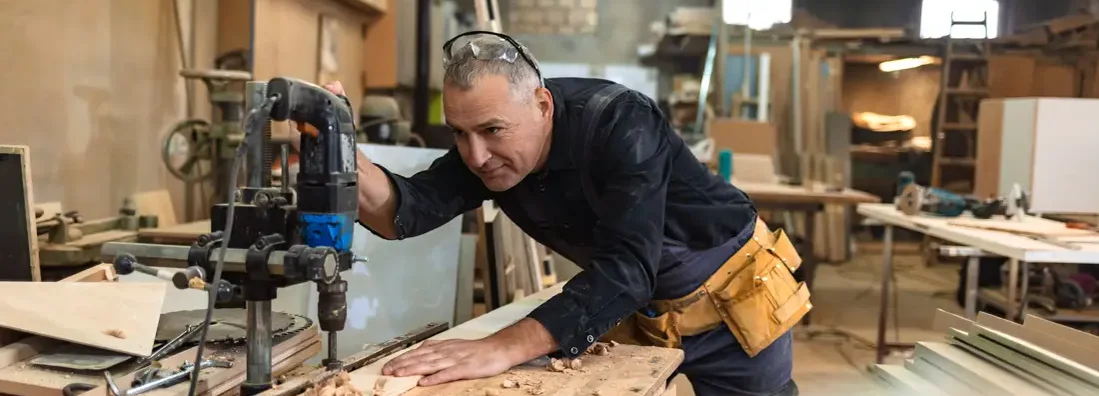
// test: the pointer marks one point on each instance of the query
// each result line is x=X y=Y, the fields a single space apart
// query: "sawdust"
x=492 y=392
x=510 y=383
x=339 y=385
x=116 y=333
x=598 y=349
x=196 y=283
x=574 y=364
x=557 y=365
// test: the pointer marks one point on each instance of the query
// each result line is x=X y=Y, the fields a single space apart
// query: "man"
x=672 y=255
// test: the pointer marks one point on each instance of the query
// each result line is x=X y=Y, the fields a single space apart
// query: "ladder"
x=963 y=84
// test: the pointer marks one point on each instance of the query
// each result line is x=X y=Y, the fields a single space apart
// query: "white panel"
x=1016 y=155
x=554 y=70
x=1065 y=156
x=640 y=79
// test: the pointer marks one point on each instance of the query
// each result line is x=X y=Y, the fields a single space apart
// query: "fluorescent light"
x=906 y=63
x=756 y=14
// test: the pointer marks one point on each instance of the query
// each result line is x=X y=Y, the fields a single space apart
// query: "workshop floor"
x=832 y=356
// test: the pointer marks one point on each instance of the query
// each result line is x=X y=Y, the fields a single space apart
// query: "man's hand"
x=451 y=360
x=295 y=137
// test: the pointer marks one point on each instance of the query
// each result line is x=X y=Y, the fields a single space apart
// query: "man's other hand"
x=452 y=360
x=295 y=137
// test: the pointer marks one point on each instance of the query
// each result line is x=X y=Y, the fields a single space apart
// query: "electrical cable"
x=262 y=113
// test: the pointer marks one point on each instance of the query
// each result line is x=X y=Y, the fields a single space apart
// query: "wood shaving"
x=614 y=343
x=196 y=283
x=535 y=391
x=532 y=382
x=574 y=364
x=636 y=389
x=510 y=383
x=556 y=365
x=492 y=392
x=340 y=385
x=599 y=350
x=116 y=333
x=596 y=393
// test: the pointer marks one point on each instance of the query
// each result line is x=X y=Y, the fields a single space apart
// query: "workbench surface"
x=784 y=193
x=626 y=370
x=1006 y=244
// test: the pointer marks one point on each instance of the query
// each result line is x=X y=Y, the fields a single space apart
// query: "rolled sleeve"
x=432 y=197
x=633 y=174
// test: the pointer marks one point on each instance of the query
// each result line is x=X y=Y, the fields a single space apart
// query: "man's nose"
x=478 y=151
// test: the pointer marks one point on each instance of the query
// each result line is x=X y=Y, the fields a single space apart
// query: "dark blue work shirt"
x=663 y=225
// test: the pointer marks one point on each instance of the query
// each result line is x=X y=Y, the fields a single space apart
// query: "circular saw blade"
x=226 y=325
x=910 y=200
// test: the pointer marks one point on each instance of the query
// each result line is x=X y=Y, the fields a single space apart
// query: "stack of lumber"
x=993 y=356
x=1079 y=30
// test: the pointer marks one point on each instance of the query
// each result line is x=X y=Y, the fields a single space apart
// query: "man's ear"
x=544 y=99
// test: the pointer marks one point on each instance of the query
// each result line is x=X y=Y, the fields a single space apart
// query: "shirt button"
x=574 y=350
x=590 y=338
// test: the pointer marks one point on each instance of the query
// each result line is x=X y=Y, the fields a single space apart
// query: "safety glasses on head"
x=468 y=41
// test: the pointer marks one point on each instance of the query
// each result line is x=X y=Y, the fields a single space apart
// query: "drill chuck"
x=332 y=305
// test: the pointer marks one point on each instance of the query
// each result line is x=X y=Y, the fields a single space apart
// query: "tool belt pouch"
x=638 y=329
x=762 y=301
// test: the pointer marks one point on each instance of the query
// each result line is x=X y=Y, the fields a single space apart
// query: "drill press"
x=279 y=236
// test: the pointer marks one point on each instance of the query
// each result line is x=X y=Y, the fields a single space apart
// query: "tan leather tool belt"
x=754 y=293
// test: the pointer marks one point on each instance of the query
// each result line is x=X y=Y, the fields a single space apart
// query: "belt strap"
x=593 y=111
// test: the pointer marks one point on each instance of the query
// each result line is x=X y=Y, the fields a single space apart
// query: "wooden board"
x=181 y=233
x=83 y=312
x=19 y=247
x=156 y=203
x=781 y=193
x=990 y=119
x=1021 y=228
x=631 y=360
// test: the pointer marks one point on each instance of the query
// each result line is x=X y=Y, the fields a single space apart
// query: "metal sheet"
x=79 y=357
x=225 y=325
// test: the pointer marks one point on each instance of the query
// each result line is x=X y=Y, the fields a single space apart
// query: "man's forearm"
x=377 y=201
x=527 y=340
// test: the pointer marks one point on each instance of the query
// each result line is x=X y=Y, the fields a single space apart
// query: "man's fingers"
x=449 y=374
x=425 y=367
x=396 y=365
x=335 y=87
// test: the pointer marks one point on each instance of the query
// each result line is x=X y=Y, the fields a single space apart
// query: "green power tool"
x=913 y=199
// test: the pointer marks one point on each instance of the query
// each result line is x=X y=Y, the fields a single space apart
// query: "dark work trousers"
x=717 y=365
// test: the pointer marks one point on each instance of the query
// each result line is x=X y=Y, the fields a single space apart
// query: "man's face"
x=501 y=136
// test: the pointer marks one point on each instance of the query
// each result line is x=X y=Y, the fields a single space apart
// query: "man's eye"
x=455 y=131
x=492 y=130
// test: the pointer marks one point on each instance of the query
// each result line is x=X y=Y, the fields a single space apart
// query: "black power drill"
x=328 y=197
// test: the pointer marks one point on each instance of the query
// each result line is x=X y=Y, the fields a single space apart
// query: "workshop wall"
x=621 y=26
x=91 y=86
x=909 y=92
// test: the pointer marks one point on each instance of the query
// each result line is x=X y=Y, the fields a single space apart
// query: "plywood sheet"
x=743 y=136
x=1064 y=156
x=86 y=313
x=1010 y=76
x=647 y=368
x=990 y=126
x=1055 y=81
x=1022 y=228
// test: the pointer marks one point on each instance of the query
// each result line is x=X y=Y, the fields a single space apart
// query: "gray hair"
x=466 y=66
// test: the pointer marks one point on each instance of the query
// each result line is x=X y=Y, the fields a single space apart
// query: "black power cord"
x=250 y=121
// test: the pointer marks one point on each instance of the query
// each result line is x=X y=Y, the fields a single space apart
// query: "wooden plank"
x=906 y=382
x=1067 y=334
x=19 y=248
x=975 y=372
x=179 y=233
x=1011 y=360
x=1021 y=228
x=86 y=313
x=1049 y=350
x=990 y=120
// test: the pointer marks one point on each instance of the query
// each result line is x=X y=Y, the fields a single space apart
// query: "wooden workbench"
x=1018 y=249
x=179 y=234
x=782 y=194
x=627 y=370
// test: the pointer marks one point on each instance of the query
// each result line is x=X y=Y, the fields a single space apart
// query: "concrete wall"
x=622 y=26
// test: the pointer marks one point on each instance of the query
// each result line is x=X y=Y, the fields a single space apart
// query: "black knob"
x=124 y=263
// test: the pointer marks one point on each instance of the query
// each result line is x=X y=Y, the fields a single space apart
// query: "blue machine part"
x=333 y=230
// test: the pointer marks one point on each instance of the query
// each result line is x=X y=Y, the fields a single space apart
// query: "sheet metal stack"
x=993 y=356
